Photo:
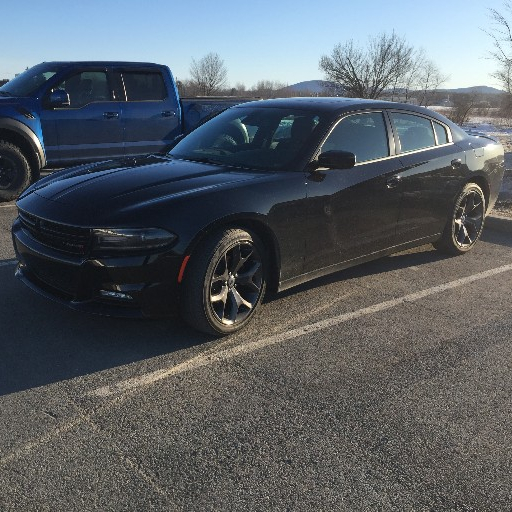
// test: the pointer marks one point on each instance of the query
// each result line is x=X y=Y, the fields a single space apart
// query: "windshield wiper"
x=5 y=93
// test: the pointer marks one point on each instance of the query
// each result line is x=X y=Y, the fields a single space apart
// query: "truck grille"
x=62 y=237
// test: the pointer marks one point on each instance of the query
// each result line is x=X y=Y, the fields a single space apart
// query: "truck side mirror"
x=59 y=98
x=337 y=160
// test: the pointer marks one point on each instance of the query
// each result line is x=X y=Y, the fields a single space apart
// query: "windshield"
x=29 y=81
x=254 y=137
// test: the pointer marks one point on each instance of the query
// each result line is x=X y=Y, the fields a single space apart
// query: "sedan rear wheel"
x=225 y=282
x=467 y=222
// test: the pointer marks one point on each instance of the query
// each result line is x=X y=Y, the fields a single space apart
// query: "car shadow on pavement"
x=42 y=342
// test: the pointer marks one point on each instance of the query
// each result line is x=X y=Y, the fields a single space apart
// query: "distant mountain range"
x=478 y=89
x=319 y=86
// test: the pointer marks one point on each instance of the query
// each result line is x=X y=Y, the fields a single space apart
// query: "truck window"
x=85 y=87
x=144 y=86
x=30 y=80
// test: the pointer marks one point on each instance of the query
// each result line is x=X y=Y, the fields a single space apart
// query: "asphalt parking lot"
x=384 y=387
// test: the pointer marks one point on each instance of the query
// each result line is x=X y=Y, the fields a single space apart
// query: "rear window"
x=442 y=136
x=144 y=86
x=414 y=132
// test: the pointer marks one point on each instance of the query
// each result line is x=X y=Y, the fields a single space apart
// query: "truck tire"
x=14 y=171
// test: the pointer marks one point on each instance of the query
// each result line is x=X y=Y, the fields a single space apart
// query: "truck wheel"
x=14 y=171
x=225 y=282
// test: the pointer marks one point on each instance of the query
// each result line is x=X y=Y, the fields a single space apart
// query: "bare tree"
x=501 y=35
x=208 y=74
x=268 y=89
x=429 y=80
x=405 y=84
x=463 y=104
x=367 y=72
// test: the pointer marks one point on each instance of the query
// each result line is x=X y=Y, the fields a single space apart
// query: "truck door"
x=90 y=127
x=150 y=112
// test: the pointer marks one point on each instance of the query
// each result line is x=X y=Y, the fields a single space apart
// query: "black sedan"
x=266 y=195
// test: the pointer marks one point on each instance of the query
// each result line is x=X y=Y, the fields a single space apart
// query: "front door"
x=354 y=212
x=90 y=127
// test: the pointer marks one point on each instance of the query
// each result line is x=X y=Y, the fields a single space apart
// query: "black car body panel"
x=312 y=220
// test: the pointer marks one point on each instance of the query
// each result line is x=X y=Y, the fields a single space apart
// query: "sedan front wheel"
x=225 y=282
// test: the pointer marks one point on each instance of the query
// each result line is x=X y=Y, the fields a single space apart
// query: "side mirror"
x=337 y=160
x=59 y=98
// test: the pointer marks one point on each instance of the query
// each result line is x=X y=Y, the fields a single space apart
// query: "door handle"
x=456 y=163
x=110 y=115
x=168 y=113
x=394 y=181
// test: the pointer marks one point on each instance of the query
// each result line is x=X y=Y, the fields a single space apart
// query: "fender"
x=22 y=130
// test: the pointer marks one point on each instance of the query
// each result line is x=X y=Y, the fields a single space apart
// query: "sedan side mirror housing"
x=337 y=159
x=59 y=98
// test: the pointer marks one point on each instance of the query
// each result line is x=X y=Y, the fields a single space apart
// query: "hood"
x=23 y=109
x=15 y=100
x=132 y=183
x=7 y=100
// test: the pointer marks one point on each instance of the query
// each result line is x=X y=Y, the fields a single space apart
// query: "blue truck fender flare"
x=30 y=139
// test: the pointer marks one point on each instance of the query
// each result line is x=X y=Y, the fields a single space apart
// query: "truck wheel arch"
x=26 y=140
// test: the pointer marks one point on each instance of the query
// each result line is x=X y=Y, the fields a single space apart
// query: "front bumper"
x=142 y=285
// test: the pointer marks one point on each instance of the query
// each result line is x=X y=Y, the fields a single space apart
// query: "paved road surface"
x=385 y=387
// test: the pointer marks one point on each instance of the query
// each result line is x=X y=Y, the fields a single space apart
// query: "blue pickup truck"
x=57 y=114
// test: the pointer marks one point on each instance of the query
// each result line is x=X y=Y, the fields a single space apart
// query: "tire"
x=14 y=171
x=224 y=283
x=465 y=226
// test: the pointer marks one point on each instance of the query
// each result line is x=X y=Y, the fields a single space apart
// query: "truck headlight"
x=113 y=239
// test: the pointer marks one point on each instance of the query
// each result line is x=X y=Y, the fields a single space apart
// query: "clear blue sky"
x=279 y=40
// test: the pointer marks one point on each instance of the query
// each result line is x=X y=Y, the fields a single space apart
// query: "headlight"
x=131 y=239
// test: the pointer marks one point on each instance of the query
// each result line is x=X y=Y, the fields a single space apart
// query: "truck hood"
x=15 y=100
x=132 y=183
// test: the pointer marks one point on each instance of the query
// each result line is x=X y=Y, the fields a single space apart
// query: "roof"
x=93 y=63
x=339 y=104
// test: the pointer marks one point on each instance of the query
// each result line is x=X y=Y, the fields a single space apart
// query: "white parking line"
x=7 y=206
x=7 y=263
x=246 y=348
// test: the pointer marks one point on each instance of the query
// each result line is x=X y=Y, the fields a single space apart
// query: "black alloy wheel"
x=466 y=225
x=225 y=282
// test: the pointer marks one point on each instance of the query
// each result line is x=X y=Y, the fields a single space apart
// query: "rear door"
x=89 y=128
x=431 y=177
x=150 y=110
x=354 y=212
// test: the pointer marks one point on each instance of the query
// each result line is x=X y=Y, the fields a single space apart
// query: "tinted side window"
x=365 y=135
x=85 y=87
x=442 y=136
x=414 y=132
x=144 y=86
